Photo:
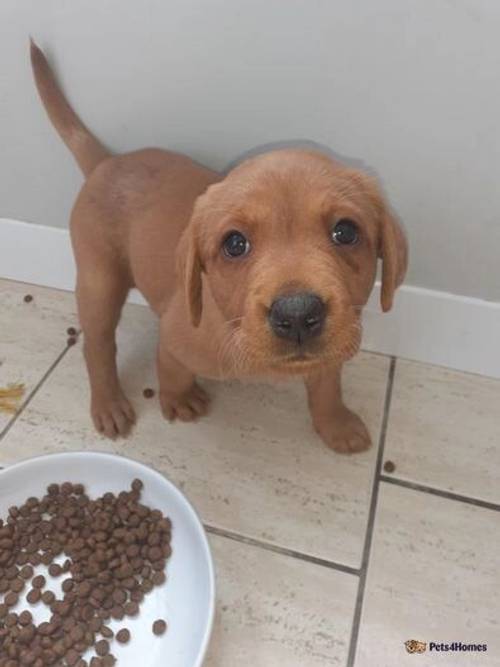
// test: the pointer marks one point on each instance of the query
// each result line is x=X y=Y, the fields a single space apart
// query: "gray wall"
x=410 y=87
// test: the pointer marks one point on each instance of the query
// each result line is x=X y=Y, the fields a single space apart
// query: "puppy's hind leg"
x=101 y=292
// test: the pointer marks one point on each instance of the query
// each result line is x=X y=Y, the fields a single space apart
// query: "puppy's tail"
x=87 y=150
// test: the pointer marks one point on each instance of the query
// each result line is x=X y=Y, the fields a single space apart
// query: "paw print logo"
x=414 y=646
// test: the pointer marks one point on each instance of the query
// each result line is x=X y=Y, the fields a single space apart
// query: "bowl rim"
x=180 y=494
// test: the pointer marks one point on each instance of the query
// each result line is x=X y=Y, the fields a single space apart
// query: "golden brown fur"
x=157 y=220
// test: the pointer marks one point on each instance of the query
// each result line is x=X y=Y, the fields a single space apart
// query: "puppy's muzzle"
x=297 y=317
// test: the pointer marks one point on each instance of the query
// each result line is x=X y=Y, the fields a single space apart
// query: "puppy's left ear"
x=393 y=249
x=392 y=243
x=189 y=268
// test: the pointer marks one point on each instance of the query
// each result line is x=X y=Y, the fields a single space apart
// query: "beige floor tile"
x=32 y=335
x=433 y=576
x=58 y=417
x=444 y=430
x=254 y=466
x=275 y=610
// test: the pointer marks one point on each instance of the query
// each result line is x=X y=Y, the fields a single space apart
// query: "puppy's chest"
x=203 y=356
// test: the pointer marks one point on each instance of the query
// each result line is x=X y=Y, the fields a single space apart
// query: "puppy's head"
x=288 y=245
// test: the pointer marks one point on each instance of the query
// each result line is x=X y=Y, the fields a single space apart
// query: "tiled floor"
x=321 y=559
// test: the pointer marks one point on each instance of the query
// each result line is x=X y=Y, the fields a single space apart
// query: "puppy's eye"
x=236 y=245
x=345 y=232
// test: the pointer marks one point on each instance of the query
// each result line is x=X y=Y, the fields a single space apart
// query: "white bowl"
x=186 y=601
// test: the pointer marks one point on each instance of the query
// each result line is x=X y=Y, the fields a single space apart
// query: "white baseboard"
x=40 y=255
x=424 y=325
x=437 y=328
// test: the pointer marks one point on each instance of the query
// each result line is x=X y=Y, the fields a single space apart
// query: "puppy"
x=263 y=272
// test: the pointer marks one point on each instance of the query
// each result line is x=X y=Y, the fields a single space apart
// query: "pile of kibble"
x=109 y=553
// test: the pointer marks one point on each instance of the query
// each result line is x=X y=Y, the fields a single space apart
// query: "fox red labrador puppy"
x=262 y=272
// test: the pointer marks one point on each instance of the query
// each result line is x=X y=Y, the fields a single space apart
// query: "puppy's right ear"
x=189 y=269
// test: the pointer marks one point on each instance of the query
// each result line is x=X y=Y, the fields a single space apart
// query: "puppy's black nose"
x=297 y=317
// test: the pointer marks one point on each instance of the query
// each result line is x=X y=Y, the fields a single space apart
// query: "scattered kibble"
x=25 y=617
x=55 y=570
x=137 y=485
x=28 y=298
x=38 y=582
x=17 y=585
x=71 y=331
x=34 y=596
x=123 y=636
x=72 y=340
x=389 y=466
x=26 y=572
x=159 y=627
x=148 y=392
x=11 y=599
x=102 y=648
x=159 y=578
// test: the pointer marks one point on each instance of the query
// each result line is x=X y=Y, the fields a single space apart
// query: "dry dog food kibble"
x=102 y=648
x=123 y=636
x=389 y=466
x=34 y=596
x=106 y=632
x=38 y=582
x=159 y=627
x=113 y=552
x=48 y=598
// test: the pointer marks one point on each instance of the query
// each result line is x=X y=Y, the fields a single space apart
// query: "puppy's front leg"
x=339 y=428
x=180 y=395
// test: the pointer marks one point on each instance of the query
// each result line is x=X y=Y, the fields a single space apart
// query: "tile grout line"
x=268 y=546
x=353 y=644
x=442 y=493
x=32 y=394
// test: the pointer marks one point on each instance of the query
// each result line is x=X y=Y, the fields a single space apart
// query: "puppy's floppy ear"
x=392 y=244
x=393 y=249
x=189 y=268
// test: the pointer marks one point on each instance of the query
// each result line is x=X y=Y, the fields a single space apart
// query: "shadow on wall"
x=299 y=143
x=307 y=144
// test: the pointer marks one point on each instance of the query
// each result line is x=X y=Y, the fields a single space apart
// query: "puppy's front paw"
x=343 y=431
x=113 y=416
x=187 y=407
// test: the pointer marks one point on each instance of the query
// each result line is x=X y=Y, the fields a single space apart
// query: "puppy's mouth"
x=298 y=336
x=298 y=358
x=329 y=347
